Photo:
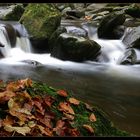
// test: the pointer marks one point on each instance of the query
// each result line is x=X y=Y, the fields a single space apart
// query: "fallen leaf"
x=60 y=124
x=26 y=82
x=89 y=107
x=65 y=107
x=22 y=130
x=74 y=132
x=49 y=100
x=62 y=93
x=46 y=121
x=45 y=131
x=8 y=121
x=6 y=95
x=68 y=116
x=89 y=128
x=31 y=124
x=74 y=101
x=92 y=118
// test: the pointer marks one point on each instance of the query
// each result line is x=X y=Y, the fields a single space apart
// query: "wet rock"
x=132 y=38
x=109 y=23
x=129 y=57
x=41 y=20
x=73 y=48
x=76 y=13
x=133 y=10
x=32 y=62
x=15 y=13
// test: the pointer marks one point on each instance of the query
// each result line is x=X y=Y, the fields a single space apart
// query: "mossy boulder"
x=74 y=48
x=40 y=20
x=109 y=23
x=15 y=14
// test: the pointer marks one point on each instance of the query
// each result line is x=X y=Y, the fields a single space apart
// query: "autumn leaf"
x=45 y=131
x=92 y=118
x=48 y=100
x=62 y=93
x=6 y=95
x=65 y=107
x=8 y=121
x=26 y=82
x=21 y=130
x=68 y=116
x=46 y=122
x=74 y=101
x=89 y=128
x=74 y=132
x=31 y=124
x=88 y=107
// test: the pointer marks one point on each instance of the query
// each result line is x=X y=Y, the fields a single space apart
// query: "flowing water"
x=112 y=87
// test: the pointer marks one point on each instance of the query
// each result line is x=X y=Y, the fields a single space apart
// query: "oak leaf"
x=45 y=131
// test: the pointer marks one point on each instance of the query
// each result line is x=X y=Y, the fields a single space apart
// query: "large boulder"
x=40 y=20
x=108 y=25
x=75 y=48
x=132 y=38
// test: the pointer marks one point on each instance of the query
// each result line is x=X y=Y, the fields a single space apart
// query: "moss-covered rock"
x=41 y=20
x=15 y=14
x=74 y=48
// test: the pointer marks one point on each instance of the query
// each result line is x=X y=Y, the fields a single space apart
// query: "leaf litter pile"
x=29 y=108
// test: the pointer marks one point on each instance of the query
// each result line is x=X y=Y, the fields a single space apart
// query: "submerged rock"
x=74 y=48
x=109 y=23
x=40 y=20
x=132 y=38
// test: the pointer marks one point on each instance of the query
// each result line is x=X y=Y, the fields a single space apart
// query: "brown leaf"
x=74 y=101
x=45 y=131
x=38 y=103
x=60 y=124
x=26 y=82
x=1 y=123
x=49 y=100
x=89 y=128
x=46 y=121
x=68 y=116
x=65 y=107
x=6 y=95
x=92 y=118
x=74 y=132
x=62 y=93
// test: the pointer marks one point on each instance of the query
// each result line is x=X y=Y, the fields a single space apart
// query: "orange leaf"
x=74 y=101
x=8 y=121
x=89 y=128
x=62 y=93
x=92 y=118
x=60 y=124
x=26 y=82
x=46 y=122
x=64 y=106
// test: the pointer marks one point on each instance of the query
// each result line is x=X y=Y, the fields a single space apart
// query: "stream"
x=113 y=88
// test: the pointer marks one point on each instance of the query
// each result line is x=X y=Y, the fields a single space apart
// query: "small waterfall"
x=21 y=43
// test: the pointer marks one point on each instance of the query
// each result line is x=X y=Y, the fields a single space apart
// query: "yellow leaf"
x=74 y=101
x=92 y=118
x=22 y=130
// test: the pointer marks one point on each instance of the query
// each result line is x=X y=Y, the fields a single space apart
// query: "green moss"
x=41 y=20
x=102 y=126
